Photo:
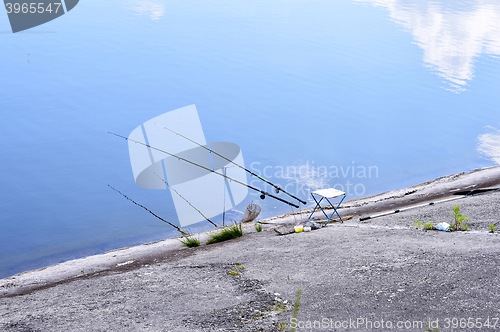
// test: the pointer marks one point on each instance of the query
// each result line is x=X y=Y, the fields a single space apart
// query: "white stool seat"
x=327 y=194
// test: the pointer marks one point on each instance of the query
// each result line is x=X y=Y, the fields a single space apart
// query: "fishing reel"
x=277 y=189
x=262 y=196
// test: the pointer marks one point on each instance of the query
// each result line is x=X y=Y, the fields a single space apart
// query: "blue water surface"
x=400 y=91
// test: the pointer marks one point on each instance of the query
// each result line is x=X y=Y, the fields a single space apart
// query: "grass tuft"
x=190 y=242
x=227 y=233
x=258 y=227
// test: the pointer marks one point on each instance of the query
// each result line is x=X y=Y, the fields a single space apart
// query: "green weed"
x=237 y=267
x=417 y=224
x=459 y=224
x=227 y=233
x=429 y=225
x=492 y=228
x=278 y=307
x=428 y=329
x=258 y=227
x=296 y=307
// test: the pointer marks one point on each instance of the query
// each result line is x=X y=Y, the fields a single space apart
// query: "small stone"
x=285 y=229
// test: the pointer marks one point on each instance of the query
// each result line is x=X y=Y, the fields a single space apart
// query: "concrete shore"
x=363 y=272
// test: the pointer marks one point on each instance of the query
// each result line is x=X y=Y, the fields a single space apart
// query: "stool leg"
x=330 y=218
x=335 y=210
x=342 y=221
x=317 y=204
x=314 y=210
x=321 y=207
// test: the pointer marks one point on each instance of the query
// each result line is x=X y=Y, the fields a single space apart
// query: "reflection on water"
x=451 y=33
x=153 y=8
x=489 y=144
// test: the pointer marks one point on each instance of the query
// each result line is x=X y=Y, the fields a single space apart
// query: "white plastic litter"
x=443 y=226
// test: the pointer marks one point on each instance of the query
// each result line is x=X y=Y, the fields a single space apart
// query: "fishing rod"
x=154 y=214
x=463 y=194
x=263 y=193
x=210 y=221
x=277 y=188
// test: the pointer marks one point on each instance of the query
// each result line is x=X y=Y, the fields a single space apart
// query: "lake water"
x=366 y=96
